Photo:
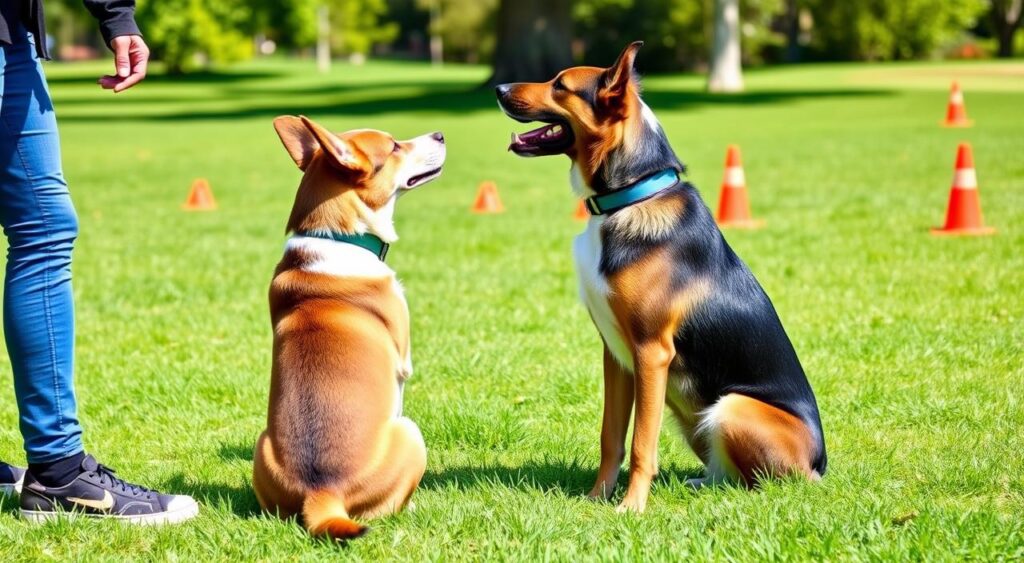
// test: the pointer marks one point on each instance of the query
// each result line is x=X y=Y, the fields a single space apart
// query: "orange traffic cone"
x=581 y=213
x=956 y=111
x=963 y=216
x=733 y=205
x=487 y=200
x=200 y=197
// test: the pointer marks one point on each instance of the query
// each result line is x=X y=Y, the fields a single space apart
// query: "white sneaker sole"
x=11 y=490
x=181 y=514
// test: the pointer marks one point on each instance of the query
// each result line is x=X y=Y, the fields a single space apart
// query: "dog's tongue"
x=530 y=138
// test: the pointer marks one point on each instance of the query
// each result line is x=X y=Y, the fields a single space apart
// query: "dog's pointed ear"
x=615 y=84
x=297 y=139
x=341 y=153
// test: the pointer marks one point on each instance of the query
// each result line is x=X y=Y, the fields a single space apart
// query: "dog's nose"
x=437 y=136
x=503 y=90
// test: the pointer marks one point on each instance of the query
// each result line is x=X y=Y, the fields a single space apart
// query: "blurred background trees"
x=187 y=34
x=462 y=28
x=529 y=38
x=534 y=40
x=1007 y=16
x=889 y=30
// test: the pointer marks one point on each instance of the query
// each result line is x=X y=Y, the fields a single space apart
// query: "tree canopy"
x=678 y=34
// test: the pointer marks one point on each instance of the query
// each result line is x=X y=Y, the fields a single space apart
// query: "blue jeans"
x=40 y=224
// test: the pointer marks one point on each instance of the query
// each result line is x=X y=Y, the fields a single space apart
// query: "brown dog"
x=336 y=445
x=683 y=320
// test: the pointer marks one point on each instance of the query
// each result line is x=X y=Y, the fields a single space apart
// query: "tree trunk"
x=323 y=40
x=436 y=41
x=1005 y=43
x=534 y=40
x=726 y=71
x=1006 y=18
x=792 y=19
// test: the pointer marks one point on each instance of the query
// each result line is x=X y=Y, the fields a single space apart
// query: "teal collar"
x=372 y=243
x=644 y=189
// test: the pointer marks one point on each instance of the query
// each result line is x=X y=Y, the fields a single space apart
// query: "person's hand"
x=130 y=57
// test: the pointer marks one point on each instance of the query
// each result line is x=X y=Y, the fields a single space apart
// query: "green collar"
x=373 y=243
x=644 y=189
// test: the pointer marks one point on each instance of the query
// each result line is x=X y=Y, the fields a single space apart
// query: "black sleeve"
x=116 y=17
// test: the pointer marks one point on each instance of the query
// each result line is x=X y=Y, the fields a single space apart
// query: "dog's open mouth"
x=424 y=178
x=553 y=138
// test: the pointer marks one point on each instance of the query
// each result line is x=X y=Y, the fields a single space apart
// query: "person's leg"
x=40 y=224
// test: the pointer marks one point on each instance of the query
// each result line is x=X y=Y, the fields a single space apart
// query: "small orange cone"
x=487 y=200
x=581 y=213
x=963 y=216
x=956 y=111
x=200 y=197
x=733 y=205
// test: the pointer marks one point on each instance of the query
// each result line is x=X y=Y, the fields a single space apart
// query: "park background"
x=913 y=343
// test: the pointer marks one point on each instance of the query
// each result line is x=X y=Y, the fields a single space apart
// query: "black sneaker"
x=98 y=493
x=10 y=479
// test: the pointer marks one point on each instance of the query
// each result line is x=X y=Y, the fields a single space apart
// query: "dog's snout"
x=437 y=136
x=503 y=89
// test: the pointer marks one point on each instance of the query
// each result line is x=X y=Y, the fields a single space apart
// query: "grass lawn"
x=912 y=343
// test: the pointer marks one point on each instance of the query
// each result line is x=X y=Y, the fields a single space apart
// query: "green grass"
x=913 y=343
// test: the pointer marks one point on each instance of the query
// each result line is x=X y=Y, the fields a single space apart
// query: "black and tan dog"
x=683 y=320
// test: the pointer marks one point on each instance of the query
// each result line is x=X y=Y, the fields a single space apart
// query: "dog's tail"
x=325 y=514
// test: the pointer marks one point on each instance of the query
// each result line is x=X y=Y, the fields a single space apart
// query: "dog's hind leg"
x=391 y=481
x=273 y=490
x=749 y=439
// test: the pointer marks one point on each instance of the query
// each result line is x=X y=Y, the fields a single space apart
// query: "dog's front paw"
x=634 y=505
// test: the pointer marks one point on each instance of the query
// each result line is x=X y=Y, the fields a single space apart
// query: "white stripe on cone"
x=965 y=179
x=734 y=177
x=957 y=98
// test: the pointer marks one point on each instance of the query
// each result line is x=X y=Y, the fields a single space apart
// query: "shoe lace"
x=108 y=477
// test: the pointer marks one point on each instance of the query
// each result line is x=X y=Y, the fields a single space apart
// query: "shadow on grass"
x=209 y=77
x=571 y=477
x=9 y=505
x=238 y=451
x=451 y=98
x=239 y=500
x=239 y=93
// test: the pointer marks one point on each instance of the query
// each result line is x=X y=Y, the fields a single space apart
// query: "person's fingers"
x=131 y=59
x=127 y=83
x=122 y=61
x=108 y=82
x=140 y=58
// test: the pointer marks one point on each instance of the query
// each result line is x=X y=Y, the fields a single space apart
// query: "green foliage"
x=887 y=30
x=673 y=30
x=291 y=23
x=356 y=25
x=186 y=34
x=190 y=33
x=465 y=26
x=677 y=32
x=758 y=33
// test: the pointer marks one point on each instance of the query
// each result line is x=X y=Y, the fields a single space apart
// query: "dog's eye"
x=559 y=85
x=396 y=148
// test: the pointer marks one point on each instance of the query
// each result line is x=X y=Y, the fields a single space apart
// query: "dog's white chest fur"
x=594 y=291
